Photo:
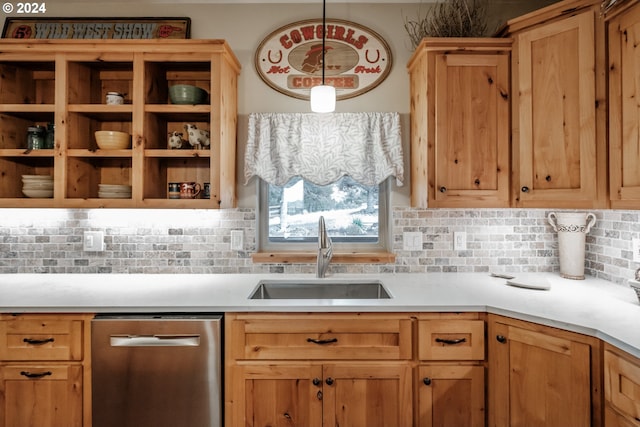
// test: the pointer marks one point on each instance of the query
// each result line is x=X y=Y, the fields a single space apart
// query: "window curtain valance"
x=322 y=148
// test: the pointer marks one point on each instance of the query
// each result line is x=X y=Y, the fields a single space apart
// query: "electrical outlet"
x=459 y=240
x=412 y=241
x=635 y=243
x=237 y=240
x=93 y=241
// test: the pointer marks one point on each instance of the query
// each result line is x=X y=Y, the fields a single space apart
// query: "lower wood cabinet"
x=542 y=376
x=451 y=370
x=318 y=369
x=621 y=388
x=45 y=376
x=309 y=395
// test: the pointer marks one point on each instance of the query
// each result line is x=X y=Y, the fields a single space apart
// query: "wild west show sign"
x=290 y=59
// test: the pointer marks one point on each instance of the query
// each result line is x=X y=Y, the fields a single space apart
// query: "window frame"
x=381 y=246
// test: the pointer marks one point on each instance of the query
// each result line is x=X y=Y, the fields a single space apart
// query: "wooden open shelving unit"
x=65 y=83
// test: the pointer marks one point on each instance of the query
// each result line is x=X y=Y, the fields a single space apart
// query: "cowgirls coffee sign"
x=290 y=59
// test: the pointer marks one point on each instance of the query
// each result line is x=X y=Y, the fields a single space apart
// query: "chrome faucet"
x=325 y=249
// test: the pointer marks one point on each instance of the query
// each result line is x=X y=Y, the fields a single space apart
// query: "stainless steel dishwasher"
x=156 y=370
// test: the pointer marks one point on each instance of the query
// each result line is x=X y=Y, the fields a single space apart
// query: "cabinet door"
x=276 y=395
x=538 y=378
x=471 y=147
x=624 y=111
x=40 y=396
x=451 y=396
x=555 y=116
x=367 y=395
x=622 y=384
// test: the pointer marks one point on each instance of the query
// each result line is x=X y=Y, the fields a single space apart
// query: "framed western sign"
x=97 y=28
x=290 y=59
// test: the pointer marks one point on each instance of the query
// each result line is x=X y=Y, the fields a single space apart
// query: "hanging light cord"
x=324 y=29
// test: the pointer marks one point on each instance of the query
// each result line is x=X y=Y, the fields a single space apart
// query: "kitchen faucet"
x=325 y=249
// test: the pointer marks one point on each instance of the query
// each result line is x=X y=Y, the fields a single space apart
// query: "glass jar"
x=50 y=137
x=35 y=137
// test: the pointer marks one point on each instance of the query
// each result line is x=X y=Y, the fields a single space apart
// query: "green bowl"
x=187 y=94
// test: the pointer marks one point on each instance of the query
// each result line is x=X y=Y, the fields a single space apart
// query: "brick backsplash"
x=198 y=241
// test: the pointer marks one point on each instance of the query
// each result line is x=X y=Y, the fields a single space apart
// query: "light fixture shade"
x=323 y=99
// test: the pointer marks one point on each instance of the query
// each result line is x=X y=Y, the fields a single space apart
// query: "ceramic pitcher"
x=572 y=228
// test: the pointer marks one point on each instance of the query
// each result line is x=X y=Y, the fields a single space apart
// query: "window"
x=356 y=215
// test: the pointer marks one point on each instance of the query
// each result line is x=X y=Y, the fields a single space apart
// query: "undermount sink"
x=320 y=289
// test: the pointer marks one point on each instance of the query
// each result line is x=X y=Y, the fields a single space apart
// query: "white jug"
x=572 y=228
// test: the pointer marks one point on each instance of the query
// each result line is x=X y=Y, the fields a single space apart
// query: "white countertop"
x=592 y=306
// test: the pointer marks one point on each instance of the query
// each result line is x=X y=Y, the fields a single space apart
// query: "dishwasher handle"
x=155 y=340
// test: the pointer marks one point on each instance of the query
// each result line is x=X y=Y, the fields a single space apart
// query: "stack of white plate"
x=37 y=186
x=114 y=191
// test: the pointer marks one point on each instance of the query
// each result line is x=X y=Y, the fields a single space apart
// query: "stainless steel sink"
x=320 y=289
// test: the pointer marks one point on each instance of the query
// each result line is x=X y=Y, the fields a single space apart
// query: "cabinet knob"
x=476 y=182
x=443 y=189
x=501 y=339
x=426 y=381
x=548 y=178
x=329 y=381
x=316 y=381
x=525 y=189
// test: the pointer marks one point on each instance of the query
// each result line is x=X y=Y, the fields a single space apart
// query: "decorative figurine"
x=175 y=139
x=198 y=138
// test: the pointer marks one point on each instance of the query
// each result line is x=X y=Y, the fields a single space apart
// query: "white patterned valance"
x=322 y=148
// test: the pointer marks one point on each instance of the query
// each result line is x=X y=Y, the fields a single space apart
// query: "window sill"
x=309 y=258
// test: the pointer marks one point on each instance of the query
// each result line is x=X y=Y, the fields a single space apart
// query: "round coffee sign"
x=290 y=59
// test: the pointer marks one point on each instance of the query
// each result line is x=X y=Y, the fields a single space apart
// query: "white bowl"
x=38 y=194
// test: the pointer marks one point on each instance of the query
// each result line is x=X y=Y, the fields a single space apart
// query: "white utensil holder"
x=572 y=228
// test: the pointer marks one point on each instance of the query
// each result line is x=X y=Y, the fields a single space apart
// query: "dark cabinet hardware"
x=37 y=342
x=316 y=381
x=329 y=341
x=525 y=189
x=35 y=374
x=329 y=381
x=501 y=339
x=443 y=189
x=426 y=381
x=451 y=342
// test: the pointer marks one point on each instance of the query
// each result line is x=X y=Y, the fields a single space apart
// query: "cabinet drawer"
x=28 y=338
x=622 y=384
x=310 y=337
x=451 y=339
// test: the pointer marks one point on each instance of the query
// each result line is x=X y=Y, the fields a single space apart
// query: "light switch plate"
x=459 y=240
x=237 y=240
x=412 y=241
x=635 y=243
x=93 y=241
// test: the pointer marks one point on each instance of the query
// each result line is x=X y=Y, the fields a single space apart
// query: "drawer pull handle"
x=501 y=339
x=35 y=374
x=33 y=341
x=321 y=342
x=329 y=381
x=316 y=381
x=426 y=381
x=451 y=342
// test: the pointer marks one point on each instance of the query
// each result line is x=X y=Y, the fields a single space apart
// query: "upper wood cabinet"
x=64 y=84
x=559 y=106
x=460 y=123
x=624 y=112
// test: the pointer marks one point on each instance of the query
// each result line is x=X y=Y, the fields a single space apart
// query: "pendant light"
x=323 y=97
